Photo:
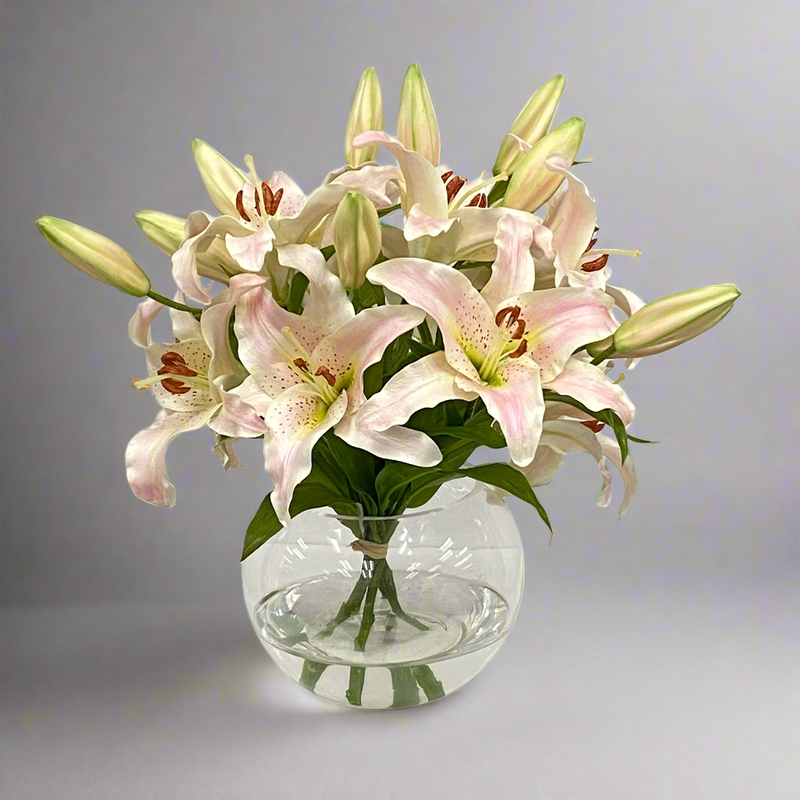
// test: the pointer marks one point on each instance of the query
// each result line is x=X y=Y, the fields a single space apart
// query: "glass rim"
x=415 y=513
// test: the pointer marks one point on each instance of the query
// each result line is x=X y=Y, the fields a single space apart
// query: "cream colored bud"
x=417 y=127
x=366 y=114
x=670 y=321
x=221 y=178
x=532 y=183
x=97 y=256
x=356 y=237
x=532 y=123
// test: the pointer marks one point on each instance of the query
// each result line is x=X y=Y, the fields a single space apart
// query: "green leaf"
x=498 y=191
x=368 y=295
x=264 y=525
x=297 y=293
x=481 y=434
x=642 y=441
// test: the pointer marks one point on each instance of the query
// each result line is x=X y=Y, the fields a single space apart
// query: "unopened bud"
x=366 y=114
x=97 y=256
x=417 y=127
x=532 y=183
x=356 y=237
x=221 y=178
x=532 y=123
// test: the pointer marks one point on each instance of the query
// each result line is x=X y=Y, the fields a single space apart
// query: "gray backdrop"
x=654 y=657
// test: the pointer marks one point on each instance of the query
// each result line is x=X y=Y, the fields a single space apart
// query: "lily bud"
x=221 y=178
x=356 y=237
x=97 y=256
x=166 y=232
x=417 y=127
x=366 y=114
x=670 y=321
x=532 y=183
x=531 y=124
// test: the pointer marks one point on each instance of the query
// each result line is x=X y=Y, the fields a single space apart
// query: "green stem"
x=384 y=211
x=312 y=672
x=404 y=687
x=174 y=303
x=368 y=614
x=351 y=605
x=389 y=591
x=356 y=687
x=604 y=355
x=428 y=682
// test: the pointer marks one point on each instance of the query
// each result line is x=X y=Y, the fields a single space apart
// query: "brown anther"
x=447 y=175
x=326 y=373
x=512 y=312
x=453 y=185
x=175 y=364
x=484 y=201
x=258 y=203
x=302 y=363
x=268 y=197
x=590 y=245
x=594 y=425
x=175 y=387
x=596 y=228
x=598 y=263
x=523 y=346
x=276 y=201
x=240 y=206
x=479 y=201
x=520 y=329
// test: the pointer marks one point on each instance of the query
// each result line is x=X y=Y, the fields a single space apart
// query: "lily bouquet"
x=378 y=330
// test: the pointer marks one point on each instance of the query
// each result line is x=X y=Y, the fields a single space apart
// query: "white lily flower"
x=563 y=436
x=269 y=214
x=306 y=373
x=189 y=379
x=502 y=344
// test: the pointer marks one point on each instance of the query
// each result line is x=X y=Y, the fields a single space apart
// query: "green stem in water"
x=350 y=606
x=428 y=682
x=311 y=673
x=389 y=591
x=356 y=687
x=404 y=687
x=174 y=304
x=368 y=614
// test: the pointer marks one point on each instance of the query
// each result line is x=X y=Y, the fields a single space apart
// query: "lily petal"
x=395 y=443
x=236 y=417
x=463 y=316
x=196 y=356
x=423 y=184
x=327 y=304
x=293 y=198
x=378 y=183
x=142 y=320
x=321 y=202
x=589 y=385
x=297 y=419
x=184 y=324
x=422 y=384
x=250 y=251
x=612 y=453
x=145 y=456
x=625 y=299
x=419 y=224
x=559 y=321
x=513 y=271
x=517 y=404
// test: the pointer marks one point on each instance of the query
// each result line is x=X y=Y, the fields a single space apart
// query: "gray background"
x=656 y=657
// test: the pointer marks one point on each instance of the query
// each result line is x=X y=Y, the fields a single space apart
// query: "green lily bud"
x=356 y=237
x=670 y=321
x=221 y=178
x=165 y=231
x=366 y=114
x=417 y=127
x=97 y=256
x=531 y=124
x=532 y=183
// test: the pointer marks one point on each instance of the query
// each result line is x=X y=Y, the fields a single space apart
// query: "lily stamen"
x=597 y=264
x=240 y=206
x=327 y=374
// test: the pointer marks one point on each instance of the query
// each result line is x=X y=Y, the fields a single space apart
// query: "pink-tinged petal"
x=513 y=271
x=327 y=304
x=297 y=420
x=557 y=410
x=478 y=227
x=215 y=328
x=423 y=184
x=200 y=231
x=293 y=198
x=237 y=417
x=145 y=456
x=612 y=453
x=196 y=357
x=466 y=321
x=589 y=385
x=249 y=251
x=395 y=444
x=360 y=343
x=571 y=216
x=560 y=321
x=321 y=202
x=625 y=299
x=422 y=384
x=516 y=402
x=184 y=324
x=258 y=326
x=378 y=183
x=546 y=463
x=419 y=224
x=226 y=452
x=141 y=321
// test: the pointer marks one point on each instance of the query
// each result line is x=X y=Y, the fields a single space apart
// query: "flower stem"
x=428 y=682
x=368 y=614
x=174 y=304
x=312 y=672
x=389 y=591
x=404 y=687
x=351 y=605
x=356 y=687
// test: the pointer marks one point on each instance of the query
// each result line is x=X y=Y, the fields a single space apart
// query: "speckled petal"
x=513 y=271
x=197 y=356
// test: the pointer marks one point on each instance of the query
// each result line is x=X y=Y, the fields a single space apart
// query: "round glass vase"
x=387 y=632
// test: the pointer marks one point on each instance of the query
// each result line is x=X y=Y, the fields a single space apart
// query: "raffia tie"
x=375 y=550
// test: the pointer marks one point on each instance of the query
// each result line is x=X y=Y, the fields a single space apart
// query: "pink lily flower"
x=306 y=373
x=502 y=344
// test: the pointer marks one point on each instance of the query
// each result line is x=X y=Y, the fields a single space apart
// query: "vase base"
x=447 y=631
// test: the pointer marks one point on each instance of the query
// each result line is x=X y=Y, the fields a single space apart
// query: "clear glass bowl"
x=397 y=631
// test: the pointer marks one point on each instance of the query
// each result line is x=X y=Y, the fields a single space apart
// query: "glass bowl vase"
x=404 y=623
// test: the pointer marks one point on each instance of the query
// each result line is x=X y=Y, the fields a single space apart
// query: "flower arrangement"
x=374 y=355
